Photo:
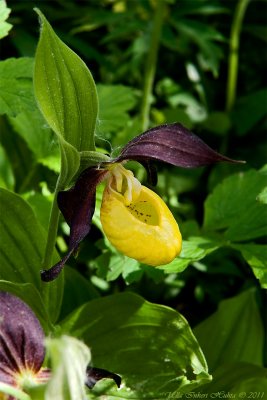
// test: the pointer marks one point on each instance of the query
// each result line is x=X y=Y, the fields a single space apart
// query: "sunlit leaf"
x=7 y=179
x=150 y=346
x=193 y=249
x=256 y=257
x=4 y=13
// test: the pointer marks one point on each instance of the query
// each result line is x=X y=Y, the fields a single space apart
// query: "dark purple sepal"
x=93 y=375
x=173 y=144
x=21 y=339
x=77 y=206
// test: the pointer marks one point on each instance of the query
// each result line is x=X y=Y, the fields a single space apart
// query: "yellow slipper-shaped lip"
x=144 y=230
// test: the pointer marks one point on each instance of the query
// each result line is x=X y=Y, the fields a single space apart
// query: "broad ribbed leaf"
x=22 y=248
x=65 y=90
x=16 y=91
x=150 y=346
x=236 y=326
x=39 y=138
x=233 y=207
x=234 y=381
x=173 y=144
x=21 y=339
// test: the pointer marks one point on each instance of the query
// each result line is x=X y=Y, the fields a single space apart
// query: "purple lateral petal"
x=77 y=206
x=93 y=375
x=21 y=339
x=173 y=144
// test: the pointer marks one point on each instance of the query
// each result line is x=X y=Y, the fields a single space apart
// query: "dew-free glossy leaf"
x=150 y=346
x=233 y=333
x=22 y=248
x=233 y=207
x=65 y=90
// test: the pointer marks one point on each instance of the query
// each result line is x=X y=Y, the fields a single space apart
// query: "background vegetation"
x=200 y=63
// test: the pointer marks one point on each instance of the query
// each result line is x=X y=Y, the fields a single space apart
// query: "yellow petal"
x=144 y=230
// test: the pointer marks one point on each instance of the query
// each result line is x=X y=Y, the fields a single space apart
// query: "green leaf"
x=233 y=207
x=262 y=197
x=16 y=90
x=7 y=179
x=150 y=346
x=4 y=14
x=77 y=291
x=69 y=358
x=65 y=90
x=193 y=250
x=114 y=102
x=22 y=247
x=256 y=257
x=236 y=326
x=249 y=111
x=237 y=380
x=39 y=138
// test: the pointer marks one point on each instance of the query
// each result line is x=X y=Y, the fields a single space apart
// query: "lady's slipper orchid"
x=22 y=349
x=135 y=219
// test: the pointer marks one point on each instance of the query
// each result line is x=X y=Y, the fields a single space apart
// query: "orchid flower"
x=22 y=351
x=134 y=218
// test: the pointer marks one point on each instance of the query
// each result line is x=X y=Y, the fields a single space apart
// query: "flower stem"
x=13 y=391
x=151 y=61
x=52 y=231
x=233 y=54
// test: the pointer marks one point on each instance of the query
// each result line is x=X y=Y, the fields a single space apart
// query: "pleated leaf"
x=22 y=248
x=150 y=346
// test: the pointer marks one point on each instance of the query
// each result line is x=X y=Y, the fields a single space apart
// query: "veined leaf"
x=4 y=13
x=234 y=327
x=150 y=346
x=233 y=207
x=256 y=257
x=22 y=247
x=39 y=138
x=193 y=249
x=16 y=91
x=65 y=90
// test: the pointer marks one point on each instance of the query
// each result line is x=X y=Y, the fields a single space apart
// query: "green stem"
x=151 y=61
x=52 y=231
x=12 y=391
x=233 y=54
